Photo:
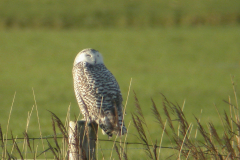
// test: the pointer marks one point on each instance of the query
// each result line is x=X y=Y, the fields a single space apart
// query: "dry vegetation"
x=185 y=141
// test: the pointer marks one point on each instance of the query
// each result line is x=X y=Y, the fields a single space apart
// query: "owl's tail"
x=110 y=132
x=112 y=125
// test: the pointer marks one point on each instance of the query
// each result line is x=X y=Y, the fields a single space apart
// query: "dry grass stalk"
x=155 y=150
x=158 y=116
x=139 y=121
x=142 y=135
x=27 y=139
x=214 y=133
x=52 y=150
x=170 y=123
x=183 y=141
x=124 y=153
x=116 y=149
x=114 y=146
x=60 y=126
x=16 y=146
x=182 y=120
x=1 y=136
x=209 y=144
x=64 y=144
x=125 y=106
x=5 y=153
x=39 y=126
x=55 y=136
x=124 y=112
x=139 y=109
x=229 y=147
x=227 y=125
x=160 y=144
x=235 y=96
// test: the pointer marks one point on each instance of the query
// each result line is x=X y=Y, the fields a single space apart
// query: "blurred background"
x=118 y=14
x=187 y=50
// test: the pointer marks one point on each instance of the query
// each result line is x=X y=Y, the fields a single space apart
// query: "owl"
x=97 y=92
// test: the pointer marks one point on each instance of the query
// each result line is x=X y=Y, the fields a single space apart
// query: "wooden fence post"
x=73 y=142
x=82 y=140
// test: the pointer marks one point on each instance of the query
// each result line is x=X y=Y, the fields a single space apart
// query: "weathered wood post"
x=82 y=140
x=73 y=142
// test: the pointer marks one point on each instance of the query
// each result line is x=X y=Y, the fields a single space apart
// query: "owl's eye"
x=88 y=55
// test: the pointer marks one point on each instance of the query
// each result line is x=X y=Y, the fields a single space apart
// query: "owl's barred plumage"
x=98 y=93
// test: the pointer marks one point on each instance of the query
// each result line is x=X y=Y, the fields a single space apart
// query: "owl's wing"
x=96 y=88
x=99 y=96
x=79 y=83
x=109 y=100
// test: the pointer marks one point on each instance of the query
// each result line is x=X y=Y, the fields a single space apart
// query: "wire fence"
x=58 y=136
x=101 y=140
x=40 y=152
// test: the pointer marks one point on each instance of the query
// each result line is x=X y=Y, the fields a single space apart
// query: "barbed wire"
x=48 y=150
x=103 y=140
x=60 y=137
x=102 y=149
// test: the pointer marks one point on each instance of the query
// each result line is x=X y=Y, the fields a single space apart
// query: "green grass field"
x=191 y=64
x=117 y=14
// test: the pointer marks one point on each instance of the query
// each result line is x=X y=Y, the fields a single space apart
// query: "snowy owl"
x=97 y=92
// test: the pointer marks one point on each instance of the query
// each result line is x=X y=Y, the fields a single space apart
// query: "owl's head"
x=89 y=55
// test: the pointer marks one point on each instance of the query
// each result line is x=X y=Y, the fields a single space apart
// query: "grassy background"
x=185 y=61
x=118 y=14
x=194 y=64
